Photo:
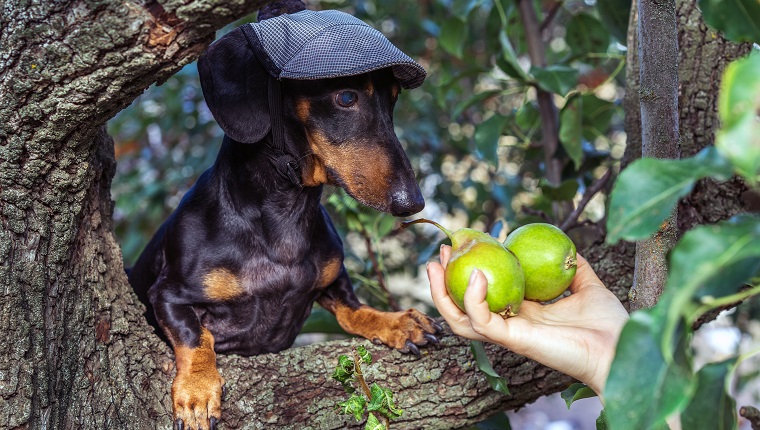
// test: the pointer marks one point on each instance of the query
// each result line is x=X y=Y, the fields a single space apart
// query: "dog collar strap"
x=286 y=164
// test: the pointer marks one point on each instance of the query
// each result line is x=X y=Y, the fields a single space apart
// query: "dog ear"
x=235 y=87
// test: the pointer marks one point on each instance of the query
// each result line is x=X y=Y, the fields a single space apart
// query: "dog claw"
x=438 y=327
x=179 y=424
x=212 y=423
x=412 y=348
x=377 y=341
x=432 y=339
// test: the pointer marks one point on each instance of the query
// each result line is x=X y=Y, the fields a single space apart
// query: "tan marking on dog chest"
x=221 y=285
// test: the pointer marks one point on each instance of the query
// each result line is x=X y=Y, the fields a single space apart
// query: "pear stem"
x=417 y=221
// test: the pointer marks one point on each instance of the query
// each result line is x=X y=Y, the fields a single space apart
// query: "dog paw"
x=197 y=399
x=405 y=330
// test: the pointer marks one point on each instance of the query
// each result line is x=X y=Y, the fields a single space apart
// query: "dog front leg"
x=404 y=330
x=197 y=387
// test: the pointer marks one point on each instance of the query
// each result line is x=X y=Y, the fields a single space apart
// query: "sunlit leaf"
x=647 y=190
x=364 y=355
x=373 y=423
x=382 y=401
x=642 y=388
x=571 y=129
x=556 y=78
x=738 y=140
x=586 y=34
x=738 y=20
x=355 y=405
x=484 y=365
x=712 y=407
x=453 y=36
x=576 y=392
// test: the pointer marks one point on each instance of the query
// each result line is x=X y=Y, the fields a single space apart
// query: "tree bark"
x=78 y=353
x=658 y=98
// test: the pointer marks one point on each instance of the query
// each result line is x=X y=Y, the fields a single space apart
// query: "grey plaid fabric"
x=329 y=44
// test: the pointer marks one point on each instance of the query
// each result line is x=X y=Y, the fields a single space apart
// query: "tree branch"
x=572 y=220
x=546 y=107
x=658 y=95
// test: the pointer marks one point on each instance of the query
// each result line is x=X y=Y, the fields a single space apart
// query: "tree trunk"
x=78 y=353
x=703 y=54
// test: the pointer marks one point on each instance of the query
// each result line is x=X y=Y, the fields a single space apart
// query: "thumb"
x=475 y=300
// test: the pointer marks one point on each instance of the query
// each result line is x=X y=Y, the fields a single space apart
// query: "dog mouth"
x=400 y=200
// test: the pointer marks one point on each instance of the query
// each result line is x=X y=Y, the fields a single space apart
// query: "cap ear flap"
x=234 y=84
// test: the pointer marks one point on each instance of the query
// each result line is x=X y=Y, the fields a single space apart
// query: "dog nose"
x=407 y=202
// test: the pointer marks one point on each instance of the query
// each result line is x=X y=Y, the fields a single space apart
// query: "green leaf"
x=642 y=388
x=614 y=15
x=585 y=34
x=527 y=116
x=382 y=401
x=556 y=78
x=601 y=421
x=646 y=192
x=575 y=392
x=453 y=36
x=597 y=115
x=373 y=423
x=385 y=225
x=484 y=365
x=487 y=135
x=475 y=99
x=565 y=191
x=571 y=129
x=355 y=405
x=712 y=407
x=703 y=255
x=364 y=355
x=738 y=140
x=738 y=20
x=508 y=60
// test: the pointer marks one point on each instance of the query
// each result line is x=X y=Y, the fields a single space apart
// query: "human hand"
x=576 y=335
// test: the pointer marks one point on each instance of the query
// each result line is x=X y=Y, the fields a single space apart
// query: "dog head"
x=344 y=124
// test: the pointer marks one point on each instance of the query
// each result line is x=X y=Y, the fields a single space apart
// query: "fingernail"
x=473 y=275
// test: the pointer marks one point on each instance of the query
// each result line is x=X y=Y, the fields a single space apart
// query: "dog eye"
x=346 y=98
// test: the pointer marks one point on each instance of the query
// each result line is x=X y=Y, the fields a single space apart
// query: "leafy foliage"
x=708 y=268
x=374 y=400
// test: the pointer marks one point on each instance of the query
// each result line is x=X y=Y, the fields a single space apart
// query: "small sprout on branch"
x=372 y=400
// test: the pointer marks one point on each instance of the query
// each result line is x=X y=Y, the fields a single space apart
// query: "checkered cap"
x=328 y=44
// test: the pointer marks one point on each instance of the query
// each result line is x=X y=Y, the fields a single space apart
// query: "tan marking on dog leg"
x=222 y=285
x=197 y=388
x=391 y=328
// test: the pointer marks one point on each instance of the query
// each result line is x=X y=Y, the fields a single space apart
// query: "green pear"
x=547 y=257
x=472 y=249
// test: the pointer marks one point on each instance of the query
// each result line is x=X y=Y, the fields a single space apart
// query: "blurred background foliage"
x=472 y=132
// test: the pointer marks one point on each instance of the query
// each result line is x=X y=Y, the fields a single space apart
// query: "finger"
x=585 y=277
x=448 y=309
x=444 y=255
x=475 y=302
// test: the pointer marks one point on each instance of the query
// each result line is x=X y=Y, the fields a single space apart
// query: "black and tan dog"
x=238 y=265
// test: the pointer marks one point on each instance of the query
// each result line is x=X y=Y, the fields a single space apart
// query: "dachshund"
x=236 y=268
